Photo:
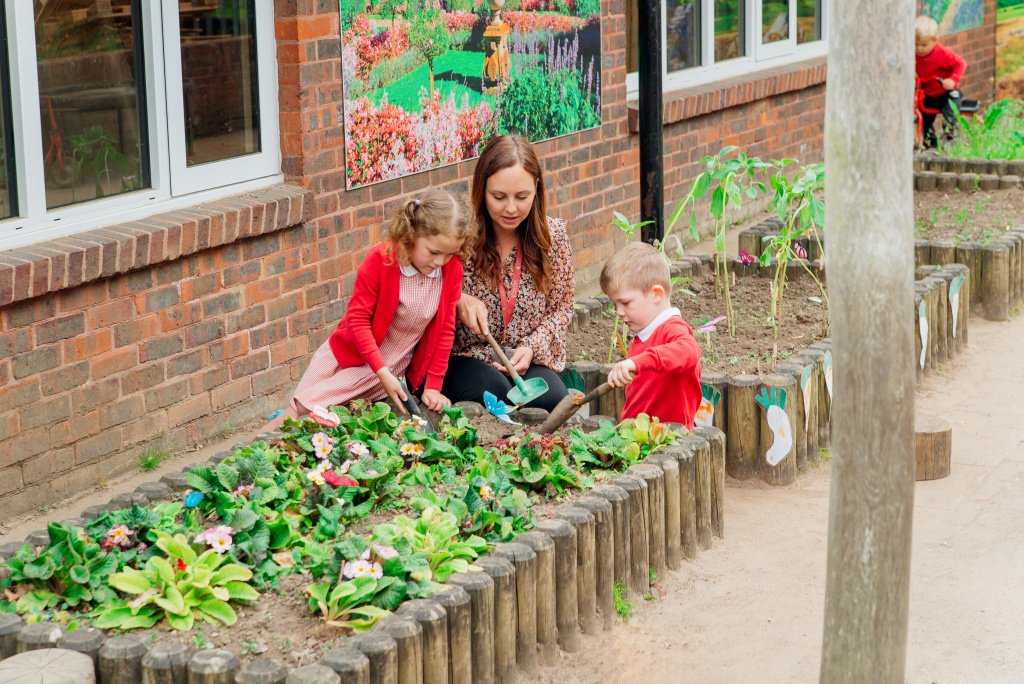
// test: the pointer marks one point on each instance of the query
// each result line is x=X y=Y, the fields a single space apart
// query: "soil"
x=966 y=215
x=752 y=350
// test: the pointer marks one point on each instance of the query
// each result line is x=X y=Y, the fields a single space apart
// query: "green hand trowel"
x=525 y=391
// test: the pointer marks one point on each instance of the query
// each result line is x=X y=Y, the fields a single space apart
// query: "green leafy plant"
x=180 y=587
x=996 y=134
x=150 y=459
x=538 y=462
x=434 y=533
x=623 y=608
x=546 y=103
x=99 y=150
x=617 y=447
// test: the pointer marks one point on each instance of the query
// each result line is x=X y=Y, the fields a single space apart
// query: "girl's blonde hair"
x=926 y=27
x=431 y=212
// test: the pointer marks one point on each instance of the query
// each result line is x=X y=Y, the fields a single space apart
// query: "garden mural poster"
x=955 y=15
x=429 y=82
x=1010 y=49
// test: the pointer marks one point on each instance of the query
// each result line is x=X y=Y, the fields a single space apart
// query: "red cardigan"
x=941 y=62
x=667 y=380
x=372 y=307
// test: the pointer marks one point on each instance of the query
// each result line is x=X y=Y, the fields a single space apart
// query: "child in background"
x=939 y=71
x=401 y=316
x=662 y=373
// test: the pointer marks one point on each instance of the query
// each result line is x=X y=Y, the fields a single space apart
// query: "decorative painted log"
x=636 y=516
x=433 y=622
x=942 y=326
x=673 y=534
x=264 y=671
x=165 y=663
x=87 y=640
x=313 y=674
x=808 y=383
x=714 y=384
x=480 y=588
x=121 y=660
x=742 y=455
x=618 y=498
x=48 y=666
x=10 y=626
x=920 y=338
x=933 y=447
x=353 y=667
x=547 y=627
x=703 y=488
x=995 y=280
x=503 y=573
x=382 y=652
x=458 y=609
x=586 y=564
x=654 y=477
x=408 y=636
x=604 y=553
x=716 y=441
x=778 y=462
x=524 y=560
x=214 y=666
x=38 y=635
x=566 y=611
x=962 y=305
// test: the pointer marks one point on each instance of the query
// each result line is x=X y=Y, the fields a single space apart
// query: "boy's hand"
x=393 y=388
x=621 y=373
x=434 y=400
x=948 y=83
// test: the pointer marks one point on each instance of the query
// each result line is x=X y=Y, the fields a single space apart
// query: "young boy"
x=939 y=70
x=662 y=373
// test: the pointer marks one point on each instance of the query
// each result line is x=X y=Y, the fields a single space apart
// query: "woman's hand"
x=393 y=388
x=473 y=314
x=521 y=359
x=434 y=400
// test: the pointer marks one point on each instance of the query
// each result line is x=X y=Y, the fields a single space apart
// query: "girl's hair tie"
x=417 y=202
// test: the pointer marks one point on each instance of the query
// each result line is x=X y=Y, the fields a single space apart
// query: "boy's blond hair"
x=926 y=27
x=637 y=266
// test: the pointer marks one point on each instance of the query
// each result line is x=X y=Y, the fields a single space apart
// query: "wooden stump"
x=10 y=626
x=717 y=384
x=654 y=478
x=166 y=663
x=968 y=253
x=673 y=532
x=702 y=488
x=716 y=442
x=943 y=252
x=215 y=666
x=382 y=652
x=639 y=560
x=586 y=564
x=778 y=463
x=687 y=462
x=743 y=435
x=121 y=659
x=433 y=621
x=503 y=573
x=524 y=559
x=266 y=672
x=408 y=636
x=458 y=609
x=351 y=665
x=480 y=588
x=750 y=240
x=87 y=640
x=313 y=674
x=48 y=665
x=547 y=627
x=942 y=326
x=995 y=281
x=922 y=253
x=604 y=553
x=808 y=383
x=37 y=636
x=933 y=447
x=566 y=607
x=618 y=498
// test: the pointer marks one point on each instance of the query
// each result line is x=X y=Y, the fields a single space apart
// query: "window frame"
x=758 y=58
x=171 y=187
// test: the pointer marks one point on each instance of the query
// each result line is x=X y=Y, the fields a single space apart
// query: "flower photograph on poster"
x=954 y=15
x=429 y=82
x=1010 y=49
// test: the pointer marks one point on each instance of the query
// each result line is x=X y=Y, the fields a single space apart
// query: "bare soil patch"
x=962 y=216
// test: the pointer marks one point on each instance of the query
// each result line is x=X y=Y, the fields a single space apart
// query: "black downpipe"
x=652 y=176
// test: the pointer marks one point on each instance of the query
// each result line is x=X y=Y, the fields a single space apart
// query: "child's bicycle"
x=965 y=107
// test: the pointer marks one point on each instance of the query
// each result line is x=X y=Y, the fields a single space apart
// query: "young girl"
x=401 y=316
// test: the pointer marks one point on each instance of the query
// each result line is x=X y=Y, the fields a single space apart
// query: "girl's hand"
x=473 y=314
x=621 y=373
x=393 y=388
x=434 y=400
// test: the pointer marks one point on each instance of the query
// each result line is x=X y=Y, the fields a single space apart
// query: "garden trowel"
x=414 y=409
x=572 y=403
x=525 y=391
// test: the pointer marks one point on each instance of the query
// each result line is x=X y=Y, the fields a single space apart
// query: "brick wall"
x=159 y=332
x=978 y=47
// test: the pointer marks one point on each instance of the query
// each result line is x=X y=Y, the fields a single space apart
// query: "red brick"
x=45 y=412
x=111 y=313
x=262 y=290
x=142 y=378
x=76 y=428
x=87 y=346
x=114 y=362
x=187 y=411
x=207 y=380
x=23 y=446
x=180 y=316
x=95 y=394
x=92 y=448
x=285 y=351
x=122 y=411
x=231 y=393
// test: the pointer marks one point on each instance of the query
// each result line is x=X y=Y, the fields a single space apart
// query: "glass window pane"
x=808 y=21
x=774 y=21
x=220 y=87
x=730 y=29
x=90 y=90
x=683 y=34
x=8 y=196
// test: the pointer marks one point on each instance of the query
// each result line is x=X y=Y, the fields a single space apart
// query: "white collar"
x=410 y=270
x=658 y=320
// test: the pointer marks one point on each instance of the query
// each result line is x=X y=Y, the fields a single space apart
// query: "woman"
x=518 y=285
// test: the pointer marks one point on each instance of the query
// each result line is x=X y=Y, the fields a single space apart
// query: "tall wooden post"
x=870 y=264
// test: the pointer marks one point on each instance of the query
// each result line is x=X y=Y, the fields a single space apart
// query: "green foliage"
x=617 y=447
x=997 y=134
x=96 y=149
x=179 y=586
x=150 y=459
x=434 y=533
x=538 y=462
x=623 y=608
x=541 y=104
x=429 y=36
x=588 y=8
x=349 y=603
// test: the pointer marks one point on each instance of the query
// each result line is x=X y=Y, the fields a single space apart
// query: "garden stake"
x=568 y=407
x=525 y=391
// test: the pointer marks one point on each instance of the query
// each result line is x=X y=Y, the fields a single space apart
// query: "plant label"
x=922 y=317
x=954 y=299
x=805 y=390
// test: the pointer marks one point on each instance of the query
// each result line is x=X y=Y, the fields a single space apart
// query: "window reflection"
x=774 y=21
x=808 y=21
x=90 y=91
x=729 y=29
x=218 y=64
x=683 y=34
x=7 y=193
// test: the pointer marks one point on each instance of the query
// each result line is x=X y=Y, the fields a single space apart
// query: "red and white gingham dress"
x=326 y=384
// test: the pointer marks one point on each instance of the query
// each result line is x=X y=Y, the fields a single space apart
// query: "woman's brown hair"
x=504 y=152
x=431 y=212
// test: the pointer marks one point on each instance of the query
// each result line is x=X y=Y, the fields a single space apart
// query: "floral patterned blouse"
x=538 y=321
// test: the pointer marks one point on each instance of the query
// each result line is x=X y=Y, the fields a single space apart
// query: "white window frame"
x=172 y=184
x=757 y=57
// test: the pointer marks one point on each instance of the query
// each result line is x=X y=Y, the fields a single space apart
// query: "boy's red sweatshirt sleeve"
x=359 y=315
x=680 y=352
x=446 y=337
